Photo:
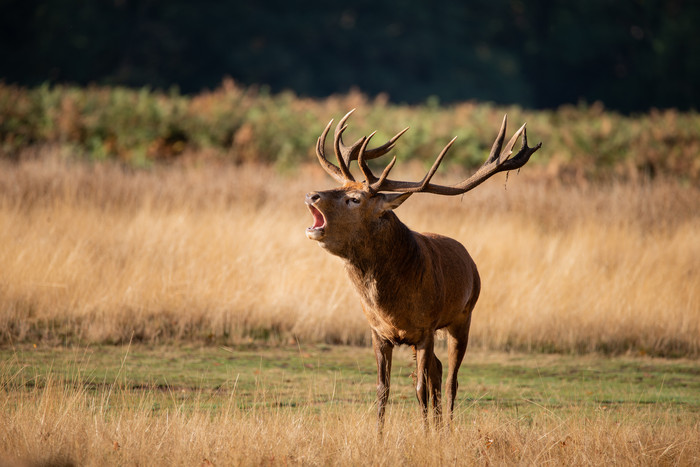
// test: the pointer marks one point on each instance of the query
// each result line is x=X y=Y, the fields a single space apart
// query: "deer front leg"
x=424 y=364
x=435 y=383
x=382 y=351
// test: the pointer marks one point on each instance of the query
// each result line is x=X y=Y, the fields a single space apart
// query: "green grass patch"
x=311 y=377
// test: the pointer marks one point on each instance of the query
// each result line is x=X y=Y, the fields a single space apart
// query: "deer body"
x=410 y=284
x=418 y=284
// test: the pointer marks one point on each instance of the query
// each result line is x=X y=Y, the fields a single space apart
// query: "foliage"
x=242 y=124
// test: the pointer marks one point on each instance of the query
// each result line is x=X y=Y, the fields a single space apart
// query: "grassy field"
x=313 y=404
x=178 y=315
x=217 y=254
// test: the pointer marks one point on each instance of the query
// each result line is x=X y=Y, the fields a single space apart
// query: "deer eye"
x=352 y=200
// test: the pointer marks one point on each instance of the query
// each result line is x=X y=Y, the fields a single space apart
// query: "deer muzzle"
x=317 y=231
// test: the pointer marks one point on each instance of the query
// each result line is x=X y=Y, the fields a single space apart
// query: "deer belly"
x=395 y=330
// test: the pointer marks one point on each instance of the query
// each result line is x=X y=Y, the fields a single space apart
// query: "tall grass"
x=98 y=253
x=59 y=424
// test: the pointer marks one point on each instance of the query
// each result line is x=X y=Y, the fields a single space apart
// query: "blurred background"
x=630 y=55
x=154 y=157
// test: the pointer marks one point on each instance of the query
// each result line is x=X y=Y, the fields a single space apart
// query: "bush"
x=140 y=127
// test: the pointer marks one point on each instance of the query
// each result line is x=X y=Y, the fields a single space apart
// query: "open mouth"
x=316 y=231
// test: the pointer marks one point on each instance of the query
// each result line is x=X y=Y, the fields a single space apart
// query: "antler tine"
x=385 y=173
x=375 y=184
x=521 y=158
x=351 y=153
x=384 y=148
x=346 y=153
x=496 y=148
x=508 y=150
x=364 y=168
x=436 y=164
x=341 y=151
x=332 y=170
x=383 y=184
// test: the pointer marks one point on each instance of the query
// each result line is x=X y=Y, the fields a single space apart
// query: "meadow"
x=159 y=300
x=313 y=405
x=95 y=253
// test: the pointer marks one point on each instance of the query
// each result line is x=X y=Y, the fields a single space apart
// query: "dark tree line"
x=630 y=54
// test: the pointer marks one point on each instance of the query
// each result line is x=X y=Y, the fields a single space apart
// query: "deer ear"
x=393 y=200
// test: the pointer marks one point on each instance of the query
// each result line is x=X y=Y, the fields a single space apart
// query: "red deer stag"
x=410 y=284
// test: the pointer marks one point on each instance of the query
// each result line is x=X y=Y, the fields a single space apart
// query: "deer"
x=410 y=284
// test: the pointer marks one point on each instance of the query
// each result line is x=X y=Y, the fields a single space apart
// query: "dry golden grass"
x=59 y=425
x=217 y=252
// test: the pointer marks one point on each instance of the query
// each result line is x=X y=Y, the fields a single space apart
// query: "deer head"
x=346 y=216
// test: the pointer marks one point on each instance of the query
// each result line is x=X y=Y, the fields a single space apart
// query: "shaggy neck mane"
x=388 y=248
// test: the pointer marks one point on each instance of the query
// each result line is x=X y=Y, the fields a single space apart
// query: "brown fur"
x=410 y=285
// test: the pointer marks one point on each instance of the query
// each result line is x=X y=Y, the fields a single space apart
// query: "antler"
x=499 y=160
x=346 y=154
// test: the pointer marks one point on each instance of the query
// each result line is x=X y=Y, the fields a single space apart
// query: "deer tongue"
x=319 y=221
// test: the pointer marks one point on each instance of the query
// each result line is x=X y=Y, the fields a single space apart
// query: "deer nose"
x=312 y=197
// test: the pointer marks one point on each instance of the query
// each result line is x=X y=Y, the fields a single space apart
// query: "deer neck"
x=389 y=252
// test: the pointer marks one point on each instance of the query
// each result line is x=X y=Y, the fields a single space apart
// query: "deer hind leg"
x=457 y=339
x=382 y=351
